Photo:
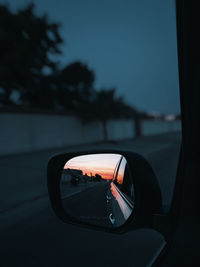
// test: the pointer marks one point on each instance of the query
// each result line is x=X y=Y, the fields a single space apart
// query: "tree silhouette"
x=41 y=96
x=105 y=106
x=26 y=42
x=75 y=86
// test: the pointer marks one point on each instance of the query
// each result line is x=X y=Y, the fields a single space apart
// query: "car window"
x=116 y=169
x=79 y=76
x=121 y=171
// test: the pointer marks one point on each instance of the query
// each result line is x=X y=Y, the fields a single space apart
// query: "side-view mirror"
x=109 y=190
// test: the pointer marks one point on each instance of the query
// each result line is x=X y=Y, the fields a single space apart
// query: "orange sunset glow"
x=120 y=177
x=102 y=164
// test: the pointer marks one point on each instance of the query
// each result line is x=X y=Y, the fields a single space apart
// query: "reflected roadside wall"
x=32 y=132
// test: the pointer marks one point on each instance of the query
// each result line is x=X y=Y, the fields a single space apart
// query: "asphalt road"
x=89 y=205
x=96 y=204
x=31 y=235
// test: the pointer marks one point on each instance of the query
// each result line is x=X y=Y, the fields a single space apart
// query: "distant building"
x=67 y=174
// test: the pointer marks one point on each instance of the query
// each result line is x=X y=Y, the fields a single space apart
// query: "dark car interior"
x=91 y=175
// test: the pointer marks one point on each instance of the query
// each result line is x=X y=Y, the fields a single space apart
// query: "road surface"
x=31 y=235
x=101 y=205
x=89 y=205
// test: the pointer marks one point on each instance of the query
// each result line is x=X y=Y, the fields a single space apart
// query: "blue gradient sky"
x=130 y=44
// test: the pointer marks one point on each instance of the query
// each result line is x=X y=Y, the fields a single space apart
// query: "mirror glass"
x=98 y=189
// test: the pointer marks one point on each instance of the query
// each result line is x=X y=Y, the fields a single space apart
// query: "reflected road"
x=103 y=204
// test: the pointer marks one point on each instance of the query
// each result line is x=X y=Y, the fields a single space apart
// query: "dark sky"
x=130 y=44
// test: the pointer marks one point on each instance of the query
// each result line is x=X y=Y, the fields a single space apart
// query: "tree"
x=41 y=96
x=26 y=43
x=104 y=106
x=137 y=117
x=75 y=86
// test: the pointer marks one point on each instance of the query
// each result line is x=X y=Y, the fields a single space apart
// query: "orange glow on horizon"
x=105 y=173
x=101 y=164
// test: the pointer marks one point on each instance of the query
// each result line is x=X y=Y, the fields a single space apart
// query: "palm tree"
x=105 y=106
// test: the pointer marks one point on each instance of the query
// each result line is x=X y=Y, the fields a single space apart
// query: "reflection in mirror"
x=98 y=189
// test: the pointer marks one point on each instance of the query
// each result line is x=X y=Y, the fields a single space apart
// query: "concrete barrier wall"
x=158 y=127
x=120 y=129
x=31 y=132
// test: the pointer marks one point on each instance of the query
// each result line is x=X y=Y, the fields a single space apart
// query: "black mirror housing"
x=148 y=200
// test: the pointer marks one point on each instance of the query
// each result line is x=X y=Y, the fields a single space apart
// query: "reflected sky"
x=102 y=164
